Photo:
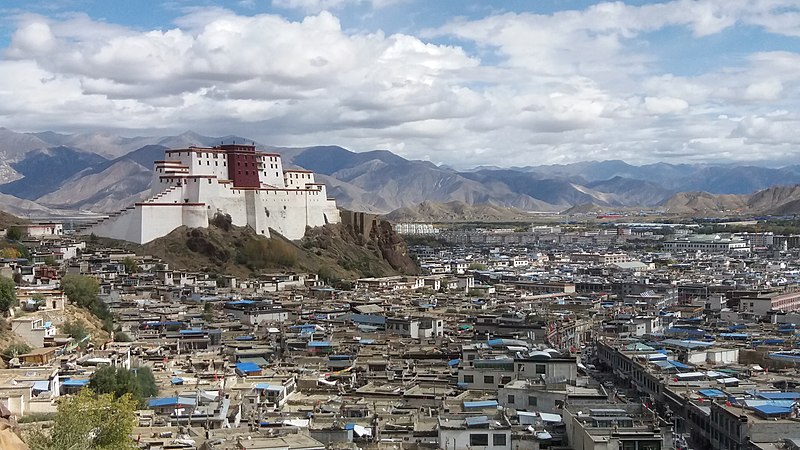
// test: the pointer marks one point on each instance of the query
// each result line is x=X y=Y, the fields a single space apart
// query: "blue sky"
x=463 y=83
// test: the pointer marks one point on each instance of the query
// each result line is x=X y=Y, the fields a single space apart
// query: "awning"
x=41 y=385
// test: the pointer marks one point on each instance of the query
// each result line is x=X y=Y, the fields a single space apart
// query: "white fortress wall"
x=127 y=226
x=191 y=185
x=160 y=219
x=271 y=170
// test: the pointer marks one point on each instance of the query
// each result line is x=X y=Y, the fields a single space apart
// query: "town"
x=607 y=336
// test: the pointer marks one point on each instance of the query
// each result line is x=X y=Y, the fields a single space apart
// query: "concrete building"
x=191 y=185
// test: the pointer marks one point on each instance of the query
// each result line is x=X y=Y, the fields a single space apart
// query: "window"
x=541 y=369
x=511 y=398
x=499 y=440
x=505 y=380
x=489 y=379
x=479 y=440
x=532 y=400
x=469 y=379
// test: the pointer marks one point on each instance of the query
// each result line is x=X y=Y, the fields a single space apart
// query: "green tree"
x=76 y=329
x=208 y=312
x=8 y=294
x=139 y=383
x=121 y=336
x=81 y=290
x=14 y=233
x=476 y=266
x=114 y=380
x=146 y=382
x=16 y=349
x=131 y=266
x=89 y=421
x=50 y=261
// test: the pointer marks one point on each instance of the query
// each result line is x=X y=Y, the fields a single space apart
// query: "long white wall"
x=287 y=202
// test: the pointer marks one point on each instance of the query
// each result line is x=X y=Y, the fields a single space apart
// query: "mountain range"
x=50 y=173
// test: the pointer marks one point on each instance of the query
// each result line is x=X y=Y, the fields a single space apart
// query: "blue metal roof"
x=454 y=362
x=76 y=382
x=319 y=344
x=243 y=338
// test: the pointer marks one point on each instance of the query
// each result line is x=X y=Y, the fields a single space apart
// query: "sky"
x=458 y=82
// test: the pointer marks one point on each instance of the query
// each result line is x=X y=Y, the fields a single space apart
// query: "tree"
x=8 y=294
x=138 y=383
x=16 y=349
x=114 y=380
x=146 y=382
x=121 y=336
x=80 y=289
x=131 y=266
x=89 y=421
x=10 y=253
x=208 y=312
x=75 y=329
x=14 y=233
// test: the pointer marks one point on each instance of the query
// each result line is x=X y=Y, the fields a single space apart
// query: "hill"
x=335 y=251
x=457 y=212
x=704 y=203
x=777 y=200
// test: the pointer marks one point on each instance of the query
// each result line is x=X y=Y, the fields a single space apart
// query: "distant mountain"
x=104 y=172
x=44 y=168
x=704 y=203
x=456 y=212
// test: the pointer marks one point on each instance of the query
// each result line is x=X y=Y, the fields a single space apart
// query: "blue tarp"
x=171 y=401
x=243 y=338
x=712 y=393
x=319 y=344
x=481 y=404
x=453 y=362
x=734 y=335
x=76 y=382
x=177 y=380
x=679 y=364
x=770 y=410
x=247 y=367
x=192 y=331
x=41 y=385
x=779 y=395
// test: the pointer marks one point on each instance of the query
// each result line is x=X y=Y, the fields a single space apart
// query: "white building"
x=191 y=185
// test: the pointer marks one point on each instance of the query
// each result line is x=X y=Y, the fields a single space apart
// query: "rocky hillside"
x=457 y=212
x=777 y=200
x=336 y=251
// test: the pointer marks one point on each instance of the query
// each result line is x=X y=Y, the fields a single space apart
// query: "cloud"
x=316 y=6
x=505 y=89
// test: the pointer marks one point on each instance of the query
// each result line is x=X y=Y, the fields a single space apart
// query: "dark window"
x=532 y=400
x=510 y=398
x=479 y=440
x=499 y=440
x=489 y=379
x=541 y=368
x=469 y=379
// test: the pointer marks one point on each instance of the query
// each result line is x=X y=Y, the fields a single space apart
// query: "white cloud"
x=315 y=6
x=538 y=88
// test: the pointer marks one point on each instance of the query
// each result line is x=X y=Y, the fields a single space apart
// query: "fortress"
x=191 y=185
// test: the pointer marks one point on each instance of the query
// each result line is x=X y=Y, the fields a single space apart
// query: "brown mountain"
x=777 y=200
x=457 y=212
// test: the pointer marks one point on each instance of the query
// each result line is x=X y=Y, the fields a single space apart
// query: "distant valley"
x=50 y=173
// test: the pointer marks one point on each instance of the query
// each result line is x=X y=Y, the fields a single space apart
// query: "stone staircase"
x=116 y=214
